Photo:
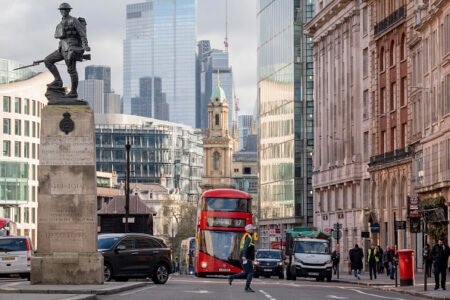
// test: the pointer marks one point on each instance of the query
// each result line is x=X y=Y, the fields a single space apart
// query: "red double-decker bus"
x=221 y=220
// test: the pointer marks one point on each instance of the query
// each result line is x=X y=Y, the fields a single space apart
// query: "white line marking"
x=267 y=295
x=136 y=291
x=336 y=297
x=374 y=295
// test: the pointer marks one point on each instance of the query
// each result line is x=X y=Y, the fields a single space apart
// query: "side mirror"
x=120 y=248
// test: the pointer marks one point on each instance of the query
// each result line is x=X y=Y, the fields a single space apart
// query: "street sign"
x=400 y=225
x=337 y=234
x=414 y=225
x=337 y=226
x=365 y=234
x=413 y=206
x=375 y=227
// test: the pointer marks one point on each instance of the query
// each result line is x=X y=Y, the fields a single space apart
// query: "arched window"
x=392 y=53
x=217 y=120
x=403 y=48
x=382 y=59
x=216 y=161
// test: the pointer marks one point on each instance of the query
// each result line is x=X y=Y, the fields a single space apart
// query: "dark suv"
x=134 y=255
x=269 y=263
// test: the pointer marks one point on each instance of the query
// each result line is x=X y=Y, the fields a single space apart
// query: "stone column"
x=67 y=212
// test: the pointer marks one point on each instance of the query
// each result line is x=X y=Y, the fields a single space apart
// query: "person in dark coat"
x=428 y=260
x=390 y=258
x=440 y=254
x=335 y=259
x=356 y=260
x=380 y=259
x=386 y=260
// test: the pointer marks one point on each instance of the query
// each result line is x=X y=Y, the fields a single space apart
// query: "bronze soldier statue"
x=73 y=42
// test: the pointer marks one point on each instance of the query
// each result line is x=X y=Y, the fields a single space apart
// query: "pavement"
x=383 y=282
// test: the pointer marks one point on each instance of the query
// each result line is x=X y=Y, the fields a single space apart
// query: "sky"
x=27 y=28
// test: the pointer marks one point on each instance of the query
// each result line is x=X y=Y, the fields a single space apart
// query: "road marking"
x=136 y=291
x=198 y=292
x=336 y=297
x=374 y=295
x=267 y=295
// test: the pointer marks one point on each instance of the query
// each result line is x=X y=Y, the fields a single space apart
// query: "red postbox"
x=406 y=265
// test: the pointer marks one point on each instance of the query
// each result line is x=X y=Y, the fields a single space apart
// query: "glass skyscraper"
x=160 y=42
x=285 y=95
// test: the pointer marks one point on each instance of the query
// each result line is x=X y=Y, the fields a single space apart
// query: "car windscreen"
x=269 y=254
x=12 y=244
x=312 y=247
x=227 y=205
x=107 y=242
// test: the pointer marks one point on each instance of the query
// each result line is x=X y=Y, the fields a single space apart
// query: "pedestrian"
x=335 y=259
x=391 y=256
x=428 y=260
x=372 y=260
x=356 y=256
x=247 y=257
x=440 y=254
x=386 y=260
x=380 y=259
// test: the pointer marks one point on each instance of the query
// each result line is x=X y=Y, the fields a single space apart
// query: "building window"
x=17 y=214
x=403 y=91
x=25 y=215
x=365 y=62
x=33 y=215
x=236 y=170
x=6 y=148
x=217 y=119
x=17 y=149
x=392 y=54
x=404 y=136
x=33 y=194
x=365 y=20
x=403 y=48
x=33 y=151
x=366 y=145
x=26 y=150
x=216 y=161
x=366 y=104
x=394 y=138
x=383 y=142
x=383 y=101
x=6 y=212
x=382 y=63
x=6 y=104
x=26 y=106
x=26 y=128
x=425 y=55
x=33 y=129
x=18 y=127
x=6 y=126
x=17 y=105
x=247 y=171
x=393 y=104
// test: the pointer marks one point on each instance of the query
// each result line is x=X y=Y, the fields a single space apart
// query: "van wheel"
x=25 y=276
x=161 y=274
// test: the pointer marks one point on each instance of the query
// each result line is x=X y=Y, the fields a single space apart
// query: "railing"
x=391 y=156
x=390 y=20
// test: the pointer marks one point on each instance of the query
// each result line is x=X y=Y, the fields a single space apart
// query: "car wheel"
x=281 y=275
x=293 y=276
x=288 y=274
x=317 y=279
x=107 y=272
x=161 y=274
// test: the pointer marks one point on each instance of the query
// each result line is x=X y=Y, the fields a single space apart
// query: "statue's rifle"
x=38 y=62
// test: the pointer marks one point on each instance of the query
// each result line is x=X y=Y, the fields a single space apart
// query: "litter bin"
x=406 y=265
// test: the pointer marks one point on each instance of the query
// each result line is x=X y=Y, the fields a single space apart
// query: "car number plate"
x=8 y=258
x=267 y=270
x=313 y=274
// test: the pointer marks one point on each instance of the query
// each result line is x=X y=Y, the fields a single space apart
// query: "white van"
x=15 y=255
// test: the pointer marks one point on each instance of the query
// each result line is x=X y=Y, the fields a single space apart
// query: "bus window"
x=227 y=205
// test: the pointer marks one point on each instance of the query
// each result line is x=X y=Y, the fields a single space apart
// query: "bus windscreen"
x=227 y=205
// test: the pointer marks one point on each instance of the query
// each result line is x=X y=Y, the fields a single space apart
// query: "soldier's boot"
x=58 y=81
x=73 y=91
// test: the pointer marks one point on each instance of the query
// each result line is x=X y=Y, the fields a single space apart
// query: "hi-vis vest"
x=243 y=240
x=374 y=253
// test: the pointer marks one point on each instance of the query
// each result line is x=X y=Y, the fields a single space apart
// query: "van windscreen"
x=13 y=244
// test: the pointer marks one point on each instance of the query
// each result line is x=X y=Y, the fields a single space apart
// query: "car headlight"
x=204 y=264
x=256 y=263
x=329 y=261
x=280 y=263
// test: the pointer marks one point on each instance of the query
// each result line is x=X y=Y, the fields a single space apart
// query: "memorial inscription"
x=65 y=151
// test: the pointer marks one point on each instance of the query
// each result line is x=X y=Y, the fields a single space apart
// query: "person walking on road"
x=335 y=259
x=440 y=254
x=386 y=260
x=372 y=260
x=356 y=256
x=380 y=260
x=247 y=256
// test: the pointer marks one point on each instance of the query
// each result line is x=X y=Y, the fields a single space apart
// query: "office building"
x=212 y=64
x=112 y=103
x=99 y=73
x=286 y=108
x=245 y=123
x=160 y=42
x=92 y=91
x=161 y=152
x=22 y=102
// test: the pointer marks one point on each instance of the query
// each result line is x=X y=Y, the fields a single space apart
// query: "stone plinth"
x=67 y=207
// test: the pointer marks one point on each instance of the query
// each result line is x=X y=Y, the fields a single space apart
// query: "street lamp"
x=127 y=186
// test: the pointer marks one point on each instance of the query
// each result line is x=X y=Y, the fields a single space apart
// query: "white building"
x=92 y=91
x=22 y=103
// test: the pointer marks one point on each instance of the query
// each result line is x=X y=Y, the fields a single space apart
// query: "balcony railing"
x=389 y=157
x=390 y=20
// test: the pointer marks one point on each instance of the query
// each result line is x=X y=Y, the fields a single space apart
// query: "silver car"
x=15 y=255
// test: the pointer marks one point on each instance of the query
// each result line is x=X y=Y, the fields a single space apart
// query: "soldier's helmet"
x=64 y=6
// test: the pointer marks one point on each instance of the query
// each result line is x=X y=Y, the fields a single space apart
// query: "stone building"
x=217 y=144
x=391 y=157
x=340 y=31
x=429 y=90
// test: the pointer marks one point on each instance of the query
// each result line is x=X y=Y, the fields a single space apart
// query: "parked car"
x=135 y=255
x=15 y=256
x=269 y=263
